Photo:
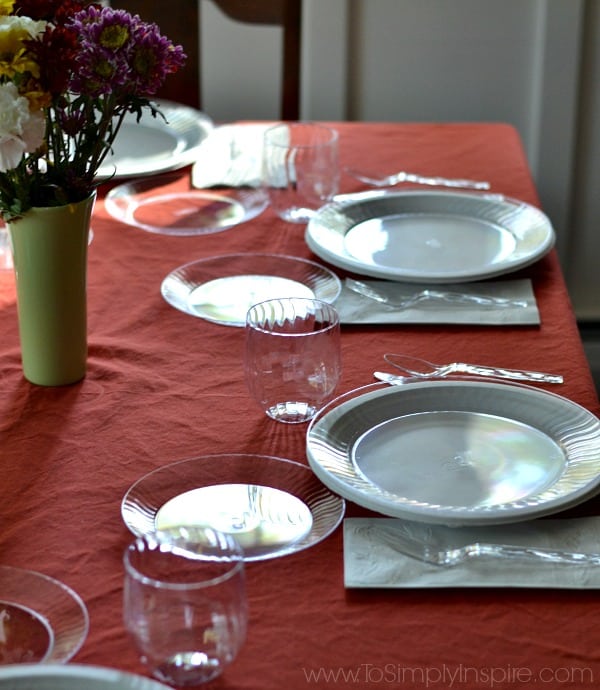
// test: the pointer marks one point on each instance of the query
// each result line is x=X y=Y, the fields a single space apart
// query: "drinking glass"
x=184 y=602
x=300 y=168
x=293 y=359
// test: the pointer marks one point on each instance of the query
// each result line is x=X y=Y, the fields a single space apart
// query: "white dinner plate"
x=154 y=145
x=429 y=236
x=159 y=205
x=41 y=619
x=221 y=289
x=457 y=452
x=72 y=677
x=272 y=506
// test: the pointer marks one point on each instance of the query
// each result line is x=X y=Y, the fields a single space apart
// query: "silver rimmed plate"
x=221 y=289
x=155 y=145
x=159 y=205
x=73 y=677
x=41 y=619
x=429 y=236
x=272 y=506
x=457 y=452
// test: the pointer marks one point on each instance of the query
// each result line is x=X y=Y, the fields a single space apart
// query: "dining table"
x=163 y=386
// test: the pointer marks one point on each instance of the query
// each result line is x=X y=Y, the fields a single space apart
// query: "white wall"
x=583 y=257
x=533 y=63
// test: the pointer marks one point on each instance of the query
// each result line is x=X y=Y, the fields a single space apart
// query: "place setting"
x=429 y=256
x=224 y=187
x=198 y=522
x=147 y=158
x=273 y=506
x=459 y=462
x=237 y=171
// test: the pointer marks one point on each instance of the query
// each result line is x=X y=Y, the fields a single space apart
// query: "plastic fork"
x=401 y=176
x=428 y=295
x=415 y=366
x=422 y=544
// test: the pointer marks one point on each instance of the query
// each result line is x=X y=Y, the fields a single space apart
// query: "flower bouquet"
x=70 y=71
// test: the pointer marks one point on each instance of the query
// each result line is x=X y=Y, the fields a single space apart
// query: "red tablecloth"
x=163 y=386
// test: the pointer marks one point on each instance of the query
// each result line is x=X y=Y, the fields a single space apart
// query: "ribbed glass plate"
x=457 y=452
x=155 y=145
x=41 y=619
x=159 y=205
x=72 y=677
x=273 y=506
x=222 y=288
x=429 y=236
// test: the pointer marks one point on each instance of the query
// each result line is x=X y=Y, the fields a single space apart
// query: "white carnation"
x=21 y=131
x=14 y=29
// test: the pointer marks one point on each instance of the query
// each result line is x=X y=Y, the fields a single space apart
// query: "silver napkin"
x=357 y=309
x=369 y=562
x=230 y=156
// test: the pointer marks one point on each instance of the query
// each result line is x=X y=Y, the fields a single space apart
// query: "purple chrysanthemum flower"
x=106 y=28
x=105 y=38
x=99 y=72
x=152 y=58
x=120 y=54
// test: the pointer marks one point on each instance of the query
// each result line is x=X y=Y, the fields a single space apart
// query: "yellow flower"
x=18 y=63
x=15 y=30
x=6 y=6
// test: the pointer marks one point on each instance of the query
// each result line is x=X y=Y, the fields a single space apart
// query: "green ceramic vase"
x=50 y=262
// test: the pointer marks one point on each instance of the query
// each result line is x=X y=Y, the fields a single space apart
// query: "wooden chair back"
x=179 y=20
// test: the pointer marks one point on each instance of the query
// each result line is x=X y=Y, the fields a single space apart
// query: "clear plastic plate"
x=159 y=205
x=272 y=505
x=41 y=619
x=221 y=289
